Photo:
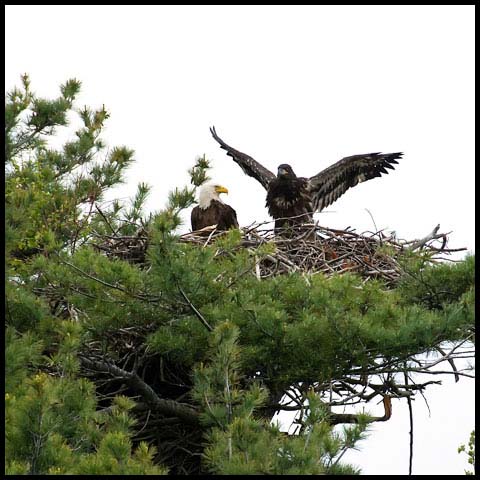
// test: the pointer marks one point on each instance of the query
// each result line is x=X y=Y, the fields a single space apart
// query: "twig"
x=195 y=310
x=410 y=411
x=373 y=220
x=106 y=219
x=450 y=361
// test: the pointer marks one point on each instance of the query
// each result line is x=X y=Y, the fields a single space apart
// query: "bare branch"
x=410 y=411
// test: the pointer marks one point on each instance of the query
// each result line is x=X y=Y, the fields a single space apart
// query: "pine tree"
x=130 y=351
x=54 y=423
x=470 y=453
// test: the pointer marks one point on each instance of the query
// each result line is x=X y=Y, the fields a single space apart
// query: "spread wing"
x=250 y=166
x=334 y=181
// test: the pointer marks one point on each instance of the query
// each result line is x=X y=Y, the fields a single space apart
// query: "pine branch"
x=450 y=361
x=195 y=310
x=166 y=407
x=106 y=219
x=143 y=297
x=336 y=418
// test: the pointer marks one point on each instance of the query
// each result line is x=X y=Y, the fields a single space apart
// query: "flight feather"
x=250 y=166
x=328 y=185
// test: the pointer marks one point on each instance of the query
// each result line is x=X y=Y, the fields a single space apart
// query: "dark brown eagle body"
x=289 y=196
x=218 y=213
x=211 y=210
x=288 y=201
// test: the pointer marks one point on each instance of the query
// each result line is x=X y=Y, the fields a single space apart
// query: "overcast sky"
x=304 y=85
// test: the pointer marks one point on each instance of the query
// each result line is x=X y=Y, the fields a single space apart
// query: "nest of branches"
x=125 y=247
x=312 y=249
x=309 y=248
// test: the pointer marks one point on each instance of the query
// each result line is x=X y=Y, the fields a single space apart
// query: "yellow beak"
x=220 y=189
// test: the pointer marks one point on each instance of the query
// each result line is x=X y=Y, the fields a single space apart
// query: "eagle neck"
x=205 y=202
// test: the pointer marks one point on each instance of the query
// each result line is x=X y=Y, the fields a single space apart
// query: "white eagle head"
x=209 y=192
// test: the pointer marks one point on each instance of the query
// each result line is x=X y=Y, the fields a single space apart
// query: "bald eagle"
x=293 y=200
x=212 y=211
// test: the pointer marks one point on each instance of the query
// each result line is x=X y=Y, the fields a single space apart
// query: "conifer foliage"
x=175 y=359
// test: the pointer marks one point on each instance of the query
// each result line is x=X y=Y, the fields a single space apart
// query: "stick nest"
x=311 y=249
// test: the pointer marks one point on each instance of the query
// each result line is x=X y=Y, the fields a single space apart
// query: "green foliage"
x=27 y=116
x=470 y=452
x=134 y=215
x=49 y=193
x=198 y=172
x=217 y=384
x=53 y=421
x=21 y=354
x=24 y=310
x=339 y=321
x=240 y=444
x=52 y=428
x=437 y=286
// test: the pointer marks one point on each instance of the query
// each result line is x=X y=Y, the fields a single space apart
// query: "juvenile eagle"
x=212 y=211
x=292 y=200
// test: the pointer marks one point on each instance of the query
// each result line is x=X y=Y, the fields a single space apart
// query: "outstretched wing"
x=250 y=166
x=334 y=181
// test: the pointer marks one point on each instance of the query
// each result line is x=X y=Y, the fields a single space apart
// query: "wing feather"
x=250 y=166
x=229 y=217
x=328 y=185
x=196 y=218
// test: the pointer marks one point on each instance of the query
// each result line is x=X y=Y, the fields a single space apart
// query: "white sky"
x=305 y=85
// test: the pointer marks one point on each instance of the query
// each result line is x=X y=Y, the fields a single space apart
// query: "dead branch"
x=423 y=241
x=336 y=418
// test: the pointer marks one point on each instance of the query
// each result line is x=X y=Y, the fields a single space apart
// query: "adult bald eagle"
x=292 y=200
x=212 y=211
